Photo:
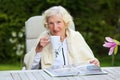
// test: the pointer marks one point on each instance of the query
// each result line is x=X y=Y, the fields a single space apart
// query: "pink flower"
x=112 y=44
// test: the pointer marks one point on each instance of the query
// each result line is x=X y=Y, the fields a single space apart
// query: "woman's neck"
x=63 y=37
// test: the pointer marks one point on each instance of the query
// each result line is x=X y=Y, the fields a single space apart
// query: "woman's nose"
x=55 y=26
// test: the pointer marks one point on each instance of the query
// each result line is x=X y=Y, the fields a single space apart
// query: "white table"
x=113 y=74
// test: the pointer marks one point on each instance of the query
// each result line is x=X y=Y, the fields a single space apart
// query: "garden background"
x=94 y=19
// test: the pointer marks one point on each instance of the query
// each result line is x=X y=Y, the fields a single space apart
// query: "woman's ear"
x=46 y=26
x=66 y=25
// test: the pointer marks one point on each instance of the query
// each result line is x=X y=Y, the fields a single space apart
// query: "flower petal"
x=109 y=44
x=109 y=39
x=111 y=50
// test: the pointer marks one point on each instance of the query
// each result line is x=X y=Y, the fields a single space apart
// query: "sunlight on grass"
x=10 y=67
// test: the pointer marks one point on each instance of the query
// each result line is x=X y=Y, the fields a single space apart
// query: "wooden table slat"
x=38 y=76
x=113 y=74
x=15 y=76
x=23 y=76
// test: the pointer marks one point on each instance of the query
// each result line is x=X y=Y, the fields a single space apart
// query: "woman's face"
x=56 y=26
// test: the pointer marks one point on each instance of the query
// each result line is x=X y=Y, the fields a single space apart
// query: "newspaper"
x=74 y=70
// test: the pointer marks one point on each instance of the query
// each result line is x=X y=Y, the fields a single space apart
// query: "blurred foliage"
x=95 y=19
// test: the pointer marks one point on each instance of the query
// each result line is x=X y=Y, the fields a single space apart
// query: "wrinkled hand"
x=42 y=43
x=95 y=61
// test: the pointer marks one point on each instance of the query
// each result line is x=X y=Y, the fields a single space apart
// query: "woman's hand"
x=95 y=61
x=42 y=43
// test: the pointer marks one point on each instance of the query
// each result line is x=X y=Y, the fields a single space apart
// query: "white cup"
x=55 y=42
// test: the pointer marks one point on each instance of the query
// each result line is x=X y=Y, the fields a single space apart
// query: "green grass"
x=10 y=67
x=106 y=61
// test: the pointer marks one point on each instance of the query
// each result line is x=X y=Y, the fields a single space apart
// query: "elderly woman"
x=75 y=50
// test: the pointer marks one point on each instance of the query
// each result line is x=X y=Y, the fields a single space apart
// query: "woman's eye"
x=50 y=23
x=58 y=22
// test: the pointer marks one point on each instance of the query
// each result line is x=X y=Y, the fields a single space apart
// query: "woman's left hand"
x=95 y=61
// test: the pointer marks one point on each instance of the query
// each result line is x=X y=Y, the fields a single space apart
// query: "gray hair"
x=57 y=10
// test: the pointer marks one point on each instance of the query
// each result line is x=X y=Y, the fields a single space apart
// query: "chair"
x=33 y=28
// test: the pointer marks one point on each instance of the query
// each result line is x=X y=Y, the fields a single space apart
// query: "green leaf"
x=117 y=42
x=116 y=50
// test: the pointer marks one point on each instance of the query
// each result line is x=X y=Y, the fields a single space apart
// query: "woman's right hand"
x=42 y=43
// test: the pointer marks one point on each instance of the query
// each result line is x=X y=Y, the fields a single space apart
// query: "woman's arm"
x=36 y=62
